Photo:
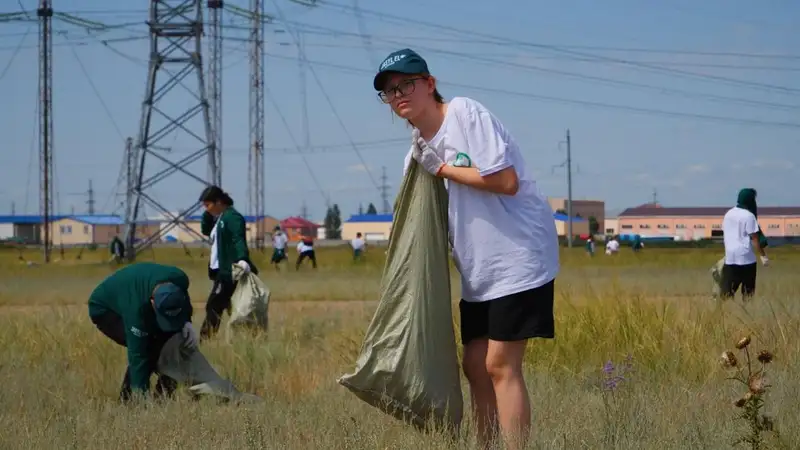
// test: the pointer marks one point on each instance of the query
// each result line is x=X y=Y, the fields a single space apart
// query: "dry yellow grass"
x=60 y=375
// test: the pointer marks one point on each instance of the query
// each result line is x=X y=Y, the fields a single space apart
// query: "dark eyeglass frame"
x=405 y=87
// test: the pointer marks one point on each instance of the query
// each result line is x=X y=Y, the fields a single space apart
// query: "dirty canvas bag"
x=408 y=363
x=249 y=302
x=190 y=367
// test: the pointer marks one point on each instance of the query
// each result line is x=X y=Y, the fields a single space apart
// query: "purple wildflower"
x=613 y=375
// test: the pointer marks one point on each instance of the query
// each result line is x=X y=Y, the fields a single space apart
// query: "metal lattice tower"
x=215 y=81
x=176 y=29
x=45 y=13
x=256 y=186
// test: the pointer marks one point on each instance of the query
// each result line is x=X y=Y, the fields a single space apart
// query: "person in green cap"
x=140 y=307
x=743 y=240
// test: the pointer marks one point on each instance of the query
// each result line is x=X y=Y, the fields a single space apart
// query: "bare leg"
x=504 y=366
x=484 y=402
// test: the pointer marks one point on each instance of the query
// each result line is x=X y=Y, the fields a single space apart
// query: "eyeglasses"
x=406 y=87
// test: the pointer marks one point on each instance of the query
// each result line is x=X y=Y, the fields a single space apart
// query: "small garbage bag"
x=249 y=303
x=408 y=363
x=190 y=367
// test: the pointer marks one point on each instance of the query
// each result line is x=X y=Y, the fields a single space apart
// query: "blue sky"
x=607 y=73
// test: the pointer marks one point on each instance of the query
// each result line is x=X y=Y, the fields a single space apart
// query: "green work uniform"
x=231 y=241
x=127 y=293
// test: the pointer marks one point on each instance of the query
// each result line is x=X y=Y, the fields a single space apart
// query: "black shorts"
x=516 y=317
x=734 y=276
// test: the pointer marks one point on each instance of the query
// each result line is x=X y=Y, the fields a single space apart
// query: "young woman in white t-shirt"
x=502 y=231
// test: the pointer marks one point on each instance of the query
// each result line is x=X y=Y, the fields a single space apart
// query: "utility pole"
x=176 y=30
x=131 y=177
x=385 y=191
x=90 y=202
x=257 y=124
x=13 y=209
x=304 y=211
x=215 y=84
x=655 y=197
x=45 y=14
x=569 y=190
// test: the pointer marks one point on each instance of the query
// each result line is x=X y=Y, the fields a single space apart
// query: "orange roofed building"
x=689 y=223
x=297 y=227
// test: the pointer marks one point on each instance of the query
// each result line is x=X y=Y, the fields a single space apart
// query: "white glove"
x=190 y=338
x=764 y=260
x=244 y=266
x=425 y=155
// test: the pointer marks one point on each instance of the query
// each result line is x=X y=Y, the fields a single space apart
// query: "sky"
x=682 y=100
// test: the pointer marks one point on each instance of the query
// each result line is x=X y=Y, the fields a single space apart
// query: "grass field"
x=60 y=376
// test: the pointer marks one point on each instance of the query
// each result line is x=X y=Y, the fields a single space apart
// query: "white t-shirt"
x=502 y=244
x=302 y=247
x=214 y=261
x=357 y=244
x=279 y=241
x=737 y=226
x=612 y=246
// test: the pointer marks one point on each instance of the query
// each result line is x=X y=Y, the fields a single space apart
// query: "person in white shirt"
x=741 y=237
x=358 y=245
x=279 y=241
x=504 y=239
x=612 y=246
x=305 y=249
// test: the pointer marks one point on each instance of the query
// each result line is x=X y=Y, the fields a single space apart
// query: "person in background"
x=140 y=307
x=590 y=246
x=503 y=235
x=742 y=244
x=612 y=246
x=279 y=241
x=117 y=249
x=305 y=249
x=226 y=228
x=358 y=245
x=636 y=243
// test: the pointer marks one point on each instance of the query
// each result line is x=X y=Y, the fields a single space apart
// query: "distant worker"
x=612 y=247
x=590 y=246
x=305 y=249
x=743 y=240
x=117 y=249
x=140 y=307
x=227 y=229
x=636 y=243
x=279 y=241
x=358 y=245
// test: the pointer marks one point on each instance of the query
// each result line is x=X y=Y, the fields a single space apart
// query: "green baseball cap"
x=172 y=307
x=402 y=61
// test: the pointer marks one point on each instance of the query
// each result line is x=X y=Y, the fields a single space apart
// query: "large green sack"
x=408 y=365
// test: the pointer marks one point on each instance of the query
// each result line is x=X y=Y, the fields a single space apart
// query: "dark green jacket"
x=231 y=240
x=127 y=292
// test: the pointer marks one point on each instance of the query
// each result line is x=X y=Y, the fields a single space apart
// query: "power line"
x=328 y=100
x=633 y=109
x=440 y=27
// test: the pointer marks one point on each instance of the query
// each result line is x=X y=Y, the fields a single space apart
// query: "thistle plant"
x=752 y=402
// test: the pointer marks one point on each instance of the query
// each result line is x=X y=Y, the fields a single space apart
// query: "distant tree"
x=333 y=223
x=561 y=211
x=578 y=215
x=594 y=225
x=371 y=209
x=360 y=209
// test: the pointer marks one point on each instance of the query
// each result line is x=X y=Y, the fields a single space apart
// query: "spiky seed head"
x=765 y=356
x=729 y=359
x=743 y=342
x=757 y=384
